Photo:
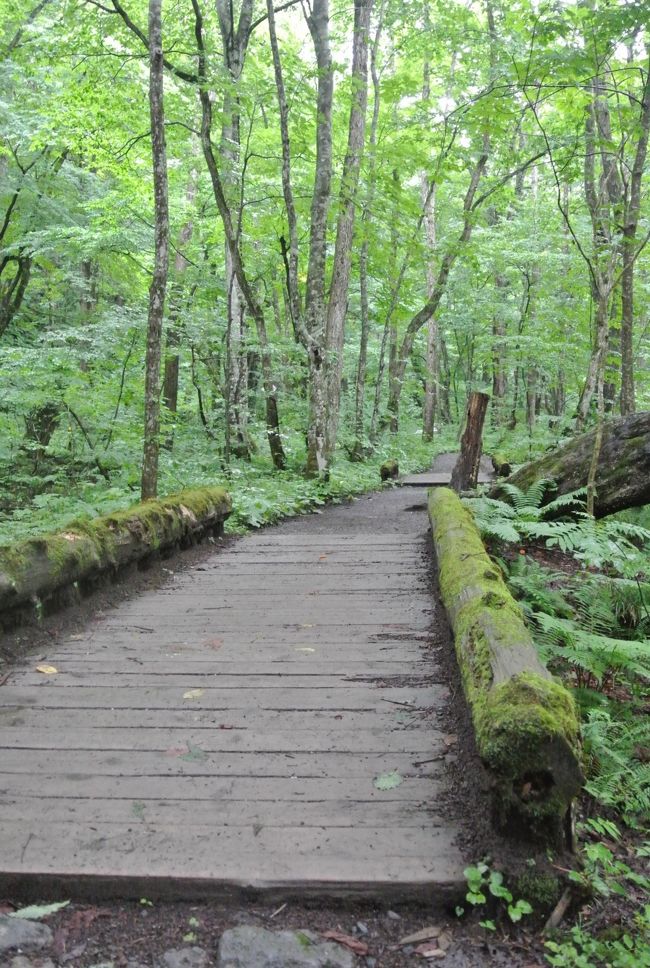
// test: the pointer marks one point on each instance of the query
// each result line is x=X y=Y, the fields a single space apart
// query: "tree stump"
x=465 y=474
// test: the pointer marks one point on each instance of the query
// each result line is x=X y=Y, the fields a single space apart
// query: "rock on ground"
x=250 y=947
x=22 y=961
x=185 y=958
x=18 y=933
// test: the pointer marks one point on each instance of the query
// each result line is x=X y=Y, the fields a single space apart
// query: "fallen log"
x=622 y=475
x=525 y=722
x=34 y=571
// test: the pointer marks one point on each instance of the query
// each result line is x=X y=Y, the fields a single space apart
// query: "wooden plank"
x=431 y=479
x=343 y=697
x=179 y=760
x=389 y=716
x=228 y=813
x=191 y=788
x=324 y=740
x=211 y=679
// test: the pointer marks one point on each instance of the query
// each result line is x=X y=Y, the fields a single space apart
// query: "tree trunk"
x=315 y=308
x=359 y=449
x=149 y=484
x=338 y=294
x=464 y=476
x=622 y=478
x=170 y=380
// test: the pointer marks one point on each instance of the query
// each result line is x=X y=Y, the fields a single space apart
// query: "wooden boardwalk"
x=232 y=730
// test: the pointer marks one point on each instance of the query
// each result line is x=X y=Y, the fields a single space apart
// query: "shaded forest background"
x=375 y=208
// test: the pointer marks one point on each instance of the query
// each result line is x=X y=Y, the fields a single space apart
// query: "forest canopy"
x=373 y=209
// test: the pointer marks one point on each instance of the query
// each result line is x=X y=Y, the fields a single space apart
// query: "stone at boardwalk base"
x=247 y=946
x=20 y=934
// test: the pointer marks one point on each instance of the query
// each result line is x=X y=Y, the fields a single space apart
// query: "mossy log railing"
x=36 y=570
x=525 y=722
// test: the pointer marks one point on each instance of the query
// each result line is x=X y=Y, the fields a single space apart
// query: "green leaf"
x=388 y=781
x=37 y=911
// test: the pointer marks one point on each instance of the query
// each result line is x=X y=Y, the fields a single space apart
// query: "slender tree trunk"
x=231 y=230
x=338 y=294
x=170 y=379
x=149 y=486
x=359 y=448
x=431 y=363
x=431 y=306
x=315 y=308
x=633 y=208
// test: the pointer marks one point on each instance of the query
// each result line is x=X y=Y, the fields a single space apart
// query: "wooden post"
x=465 y=474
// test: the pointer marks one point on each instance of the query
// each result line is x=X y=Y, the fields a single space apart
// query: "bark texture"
x=157 y=290
x=464 y=476
x=622 y=477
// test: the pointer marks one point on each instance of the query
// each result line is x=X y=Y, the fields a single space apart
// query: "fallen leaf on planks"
x=213 y=643
x=193 y=694
x=47 y=670
x=359 y=947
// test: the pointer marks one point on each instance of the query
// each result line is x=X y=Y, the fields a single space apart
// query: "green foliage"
x=618 y=751
x=560 y=523
x=605 y=875
x=484 y=884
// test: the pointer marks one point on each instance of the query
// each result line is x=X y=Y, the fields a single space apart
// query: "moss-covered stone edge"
x=526 y=724
x=38 y=566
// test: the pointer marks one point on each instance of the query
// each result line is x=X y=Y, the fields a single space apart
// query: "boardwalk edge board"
x=526 y=725
x=40 y=571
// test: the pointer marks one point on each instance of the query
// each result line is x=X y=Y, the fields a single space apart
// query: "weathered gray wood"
x=211 y=740
x=310 y=651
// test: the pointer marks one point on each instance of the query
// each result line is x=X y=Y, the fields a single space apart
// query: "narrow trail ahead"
x=269 y=719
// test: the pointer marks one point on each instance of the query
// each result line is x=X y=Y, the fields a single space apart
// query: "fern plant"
x=561 y=523
x=618 y=767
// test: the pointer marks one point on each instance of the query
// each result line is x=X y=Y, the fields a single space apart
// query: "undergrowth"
x=260 y=494
x=584 y=588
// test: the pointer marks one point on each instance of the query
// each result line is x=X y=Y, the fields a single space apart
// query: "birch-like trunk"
x=359 y=448
x=173 y=342
x=315 y=306
x=338 y=294
x=149 y=485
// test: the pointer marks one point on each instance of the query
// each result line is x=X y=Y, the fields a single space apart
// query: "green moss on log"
x=501 y=464
x=525 y=723
x=36 y=568
x=389 y=470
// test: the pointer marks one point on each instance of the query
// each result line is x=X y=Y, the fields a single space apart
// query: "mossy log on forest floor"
x=501 y=464
x=525 y=722
x=34 y=570
x=622 y=475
